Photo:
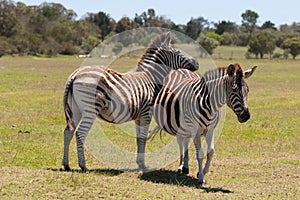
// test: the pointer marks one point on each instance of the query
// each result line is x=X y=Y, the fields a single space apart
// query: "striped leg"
x=142 y=127
x=84 y=97
x=210 y=149
x=199 y=156
x=81 y=133
x=68 y=135
x=183 y=144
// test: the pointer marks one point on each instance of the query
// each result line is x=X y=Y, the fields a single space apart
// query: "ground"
x=256 y=160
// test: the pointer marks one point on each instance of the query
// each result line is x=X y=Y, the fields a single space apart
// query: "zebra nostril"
x=244 y=116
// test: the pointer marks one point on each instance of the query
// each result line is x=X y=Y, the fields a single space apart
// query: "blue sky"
x=180 y=12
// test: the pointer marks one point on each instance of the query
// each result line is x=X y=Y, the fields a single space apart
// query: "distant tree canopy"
x=195 y=26
x=208 y=42
x=49 y=29
x=261 y=44
x=52 y=29
x=249 y=20
x=103 y=21
x=268 y=25
x=292 y=45
x=225 y=26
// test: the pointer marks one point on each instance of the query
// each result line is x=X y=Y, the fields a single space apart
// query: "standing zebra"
x=188 y=106
x=119 y=97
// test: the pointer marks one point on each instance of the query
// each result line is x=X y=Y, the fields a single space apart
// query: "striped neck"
x=214 y=81
x=154 y=64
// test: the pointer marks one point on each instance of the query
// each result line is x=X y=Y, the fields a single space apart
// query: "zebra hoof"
x=67 y=168
x=143 y=168
x=201 y=183
x=83 y=169
x=183 y=170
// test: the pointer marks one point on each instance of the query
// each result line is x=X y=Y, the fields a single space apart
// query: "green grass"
x=255 y=160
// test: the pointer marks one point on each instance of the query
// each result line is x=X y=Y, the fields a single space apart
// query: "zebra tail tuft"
x=153 y=133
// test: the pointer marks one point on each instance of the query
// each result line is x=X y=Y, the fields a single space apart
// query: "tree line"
x=52 y=29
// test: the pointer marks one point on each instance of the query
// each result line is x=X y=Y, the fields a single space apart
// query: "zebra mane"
x=222 y=71
x=214 y=73
x=163 y=40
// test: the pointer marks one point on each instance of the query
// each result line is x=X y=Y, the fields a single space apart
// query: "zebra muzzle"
x=244 y=115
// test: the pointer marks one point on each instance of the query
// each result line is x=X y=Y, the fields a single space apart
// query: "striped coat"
x=115 y=97
x=188 y=106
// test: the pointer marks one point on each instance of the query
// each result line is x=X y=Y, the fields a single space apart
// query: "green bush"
x=277 y=55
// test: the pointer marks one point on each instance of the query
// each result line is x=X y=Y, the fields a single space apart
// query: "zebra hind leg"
x=68 y=135
x=184 y=155
x=199 y=156
x=81 y=133
x=210 y=149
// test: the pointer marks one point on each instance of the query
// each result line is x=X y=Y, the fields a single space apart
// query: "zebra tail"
x=153 y=133
x=67 y=107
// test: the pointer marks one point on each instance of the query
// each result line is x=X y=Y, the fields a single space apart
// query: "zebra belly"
x=172 y=117
x=186 y=128
x=116 y=112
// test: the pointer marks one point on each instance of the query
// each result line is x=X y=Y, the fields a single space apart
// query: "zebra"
x=96 y=91
x=189 y=105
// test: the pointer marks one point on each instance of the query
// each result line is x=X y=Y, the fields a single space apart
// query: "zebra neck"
x=156 y=72
x=217 y=94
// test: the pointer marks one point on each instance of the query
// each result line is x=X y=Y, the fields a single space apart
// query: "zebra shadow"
x=174 y=178
x=106 y=172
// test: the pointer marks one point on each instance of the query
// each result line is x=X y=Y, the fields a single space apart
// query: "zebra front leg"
x=141 y=138
x=210 y=149
x=68 y=135
x=183 y=144
x=199 y=156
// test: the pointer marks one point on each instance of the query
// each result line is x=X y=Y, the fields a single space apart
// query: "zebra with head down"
x=188 y=106
x=119 y=97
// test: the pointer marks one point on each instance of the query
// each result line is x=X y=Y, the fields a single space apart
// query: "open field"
x=256 y=160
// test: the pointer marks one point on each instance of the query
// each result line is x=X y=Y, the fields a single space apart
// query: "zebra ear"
x=249 y=72
x=168 y=39
x=230 y=70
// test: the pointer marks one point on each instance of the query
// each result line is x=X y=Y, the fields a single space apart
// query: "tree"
x=262 y=43
x=150 y=19
x=195 y=26
x=6 y=47
x=124 y=24
x=215 y=36
x=8 y=19
x=89 y=43
x=249 y=20
x=103 y=21
x=292 y=45
x=207 y=43
x=268 y=25
x=224 y=26
x=294 y=28
x=138 y=20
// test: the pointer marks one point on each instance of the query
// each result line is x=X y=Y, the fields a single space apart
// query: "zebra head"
x=237 y=91
x=163 y=51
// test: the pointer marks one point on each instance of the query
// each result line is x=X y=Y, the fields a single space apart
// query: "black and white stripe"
x=188 y=106
x=119 y=97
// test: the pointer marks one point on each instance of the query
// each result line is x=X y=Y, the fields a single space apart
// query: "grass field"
x=256 y=160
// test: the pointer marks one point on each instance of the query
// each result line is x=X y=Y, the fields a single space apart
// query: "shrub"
x=277 y=55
